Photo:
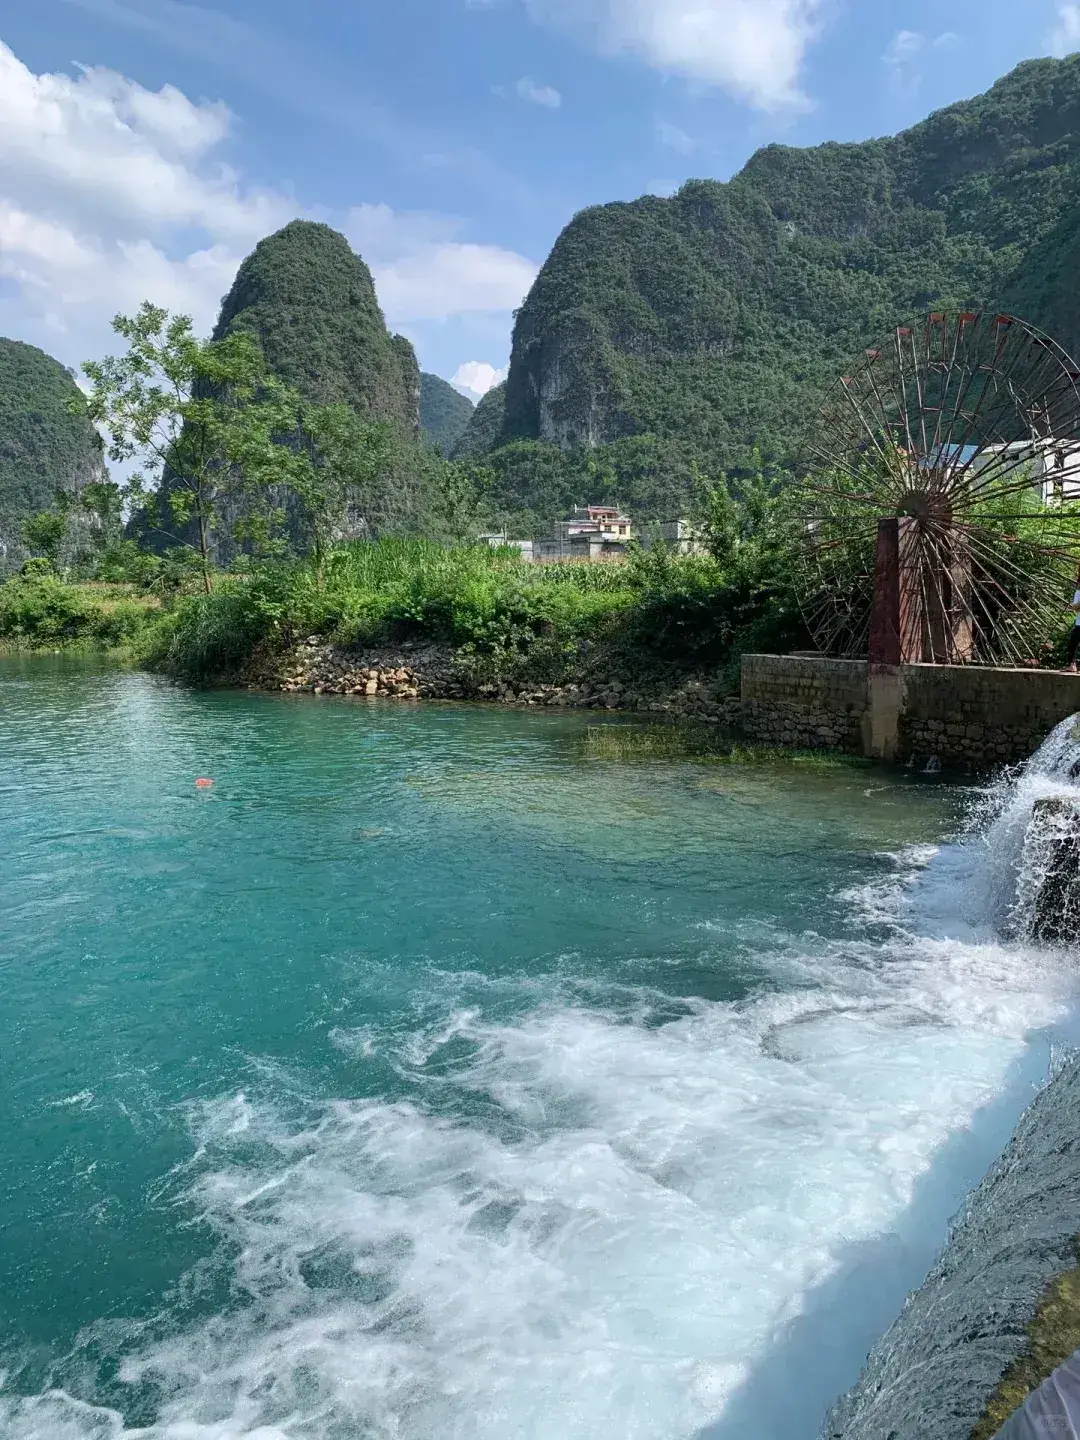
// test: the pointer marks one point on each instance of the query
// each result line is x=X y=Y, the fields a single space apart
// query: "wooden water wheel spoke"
x=938 y=514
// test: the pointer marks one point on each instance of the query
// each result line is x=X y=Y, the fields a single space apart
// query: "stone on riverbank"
x=428 y=671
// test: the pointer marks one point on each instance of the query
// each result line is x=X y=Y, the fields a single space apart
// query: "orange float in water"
x=203 y=784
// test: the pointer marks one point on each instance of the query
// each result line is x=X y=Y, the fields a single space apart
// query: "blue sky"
x=145 y=145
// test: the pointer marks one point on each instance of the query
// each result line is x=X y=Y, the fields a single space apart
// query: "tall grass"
x=505 y=617
x=485 y=602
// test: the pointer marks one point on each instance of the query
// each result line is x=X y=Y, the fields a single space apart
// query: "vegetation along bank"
x=295 y=476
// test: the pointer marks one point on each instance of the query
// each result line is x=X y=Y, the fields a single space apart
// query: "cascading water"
x=1030 y=823
x=931 y=1375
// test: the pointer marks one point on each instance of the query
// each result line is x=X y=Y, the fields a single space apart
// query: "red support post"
x=885 y=625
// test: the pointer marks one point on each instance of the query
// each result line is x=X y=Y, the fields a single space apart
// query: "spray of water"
x=1027 y=815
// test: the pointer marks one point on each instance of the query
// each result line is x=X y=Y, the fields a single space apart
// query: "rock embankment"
x=426 y=671
x=934 y=1375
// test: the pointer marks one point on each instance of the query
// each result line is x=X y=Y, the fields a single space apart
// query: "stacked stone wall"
x=803 y=703
x=978 y=716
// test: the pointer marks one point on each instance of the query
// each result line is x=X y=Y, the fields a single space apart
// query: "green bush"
x=207 y=636
x=40 y=609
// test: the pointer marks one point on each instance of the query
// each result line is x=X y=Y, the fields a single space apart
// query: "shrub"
x=39 y=609
x=207 y=636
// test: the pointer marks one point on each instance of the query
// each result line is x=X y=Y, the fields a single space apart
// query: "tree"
x=44 y=534
x=200 y=418
x=334 y=463
x=103 y=502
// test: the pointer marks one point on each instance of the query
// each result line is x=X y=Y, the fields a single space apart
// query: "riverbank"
x=424 y=670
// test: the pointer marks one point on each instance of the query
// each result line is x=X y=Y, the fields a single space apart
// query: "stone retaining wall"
x=421 y=670
x=975 y=715
x=803 y=703
x=966 y=716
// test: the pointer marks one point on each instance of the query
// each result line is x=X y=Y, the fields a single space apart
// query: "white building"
x=1054 y=465
x=498 y=540
x=594 y=532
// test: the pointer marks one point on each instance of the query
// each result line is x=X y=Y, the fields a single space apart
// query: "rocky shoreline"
x=423 y=670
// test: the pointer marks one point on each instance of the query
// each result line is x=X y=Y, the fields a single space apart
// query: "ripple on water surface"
x=427 y=1078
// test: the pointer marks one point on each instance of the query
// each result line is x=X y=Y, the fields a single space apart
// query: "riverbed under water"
x=425 y=1077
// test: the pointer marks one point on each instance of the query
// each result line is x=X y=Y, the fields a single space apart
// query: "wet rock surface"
x=1055 y=830
x=931 y=1376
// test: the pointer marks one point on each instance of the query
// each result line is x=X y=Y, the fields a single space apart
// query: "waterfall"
x=1030 y=826
x=931 y=1375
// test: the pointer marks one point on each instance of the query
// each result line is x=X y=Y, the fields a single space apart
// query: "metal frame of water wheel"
x=923 y=535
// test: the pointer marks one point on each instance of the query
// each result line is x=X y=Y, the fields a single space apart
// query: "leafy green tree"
x=103 y=502
x=199 y=417
x=332 y=469
x=44 y=534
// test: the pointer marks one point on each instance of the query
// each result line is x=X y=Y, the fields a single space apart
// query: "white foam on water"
x=585 y=1226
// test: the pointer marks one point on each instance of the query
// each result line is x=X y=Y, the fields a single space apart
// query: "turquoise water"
x=424 y=1077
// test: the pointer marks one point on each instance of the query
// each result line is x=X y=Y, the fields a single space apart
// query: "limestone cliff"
x=715 y=316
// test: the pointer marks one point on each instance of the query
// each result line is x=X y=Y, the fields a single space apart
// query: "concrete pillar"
x=884 y=704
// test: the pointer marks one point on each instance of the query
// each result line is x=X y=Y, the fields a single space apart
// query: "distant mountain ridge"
x=710 y=321
x=47 y=442
x=444 y=412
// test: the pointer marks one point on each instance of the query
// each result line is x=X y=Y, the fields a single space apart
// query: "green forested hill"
x=710 y=321
x=312 y=303
x=485 y=425
x=444 y=412
x=45 y=446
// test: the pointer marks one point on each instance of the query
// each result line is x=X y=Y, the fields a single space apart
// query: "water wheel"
x=939 y=496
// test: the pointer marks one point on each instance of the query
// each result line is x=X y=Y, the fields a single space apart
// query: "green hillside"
x=444 y=412
x=44 y=445
x=485 y=426
x=312 y=303
x=710 y=321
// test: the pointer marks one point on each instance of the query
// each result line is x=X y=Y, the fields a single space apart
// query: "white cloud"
x=67 y=281
x=97 y=176
x=906 y=50
x=477 y=377
x=1066 y=36
x=674 y=138
x=752 y=48
x=111 y=194
x=535 y=94
x=904 y=46
x=98 y=141
x=422 y=272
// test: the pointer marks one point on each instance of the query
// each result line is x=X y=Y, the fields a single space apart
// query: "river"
x=426 y=1077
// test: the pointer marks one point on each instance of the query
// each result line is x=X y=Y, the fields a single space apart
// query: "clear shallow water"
x=425 y=1078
